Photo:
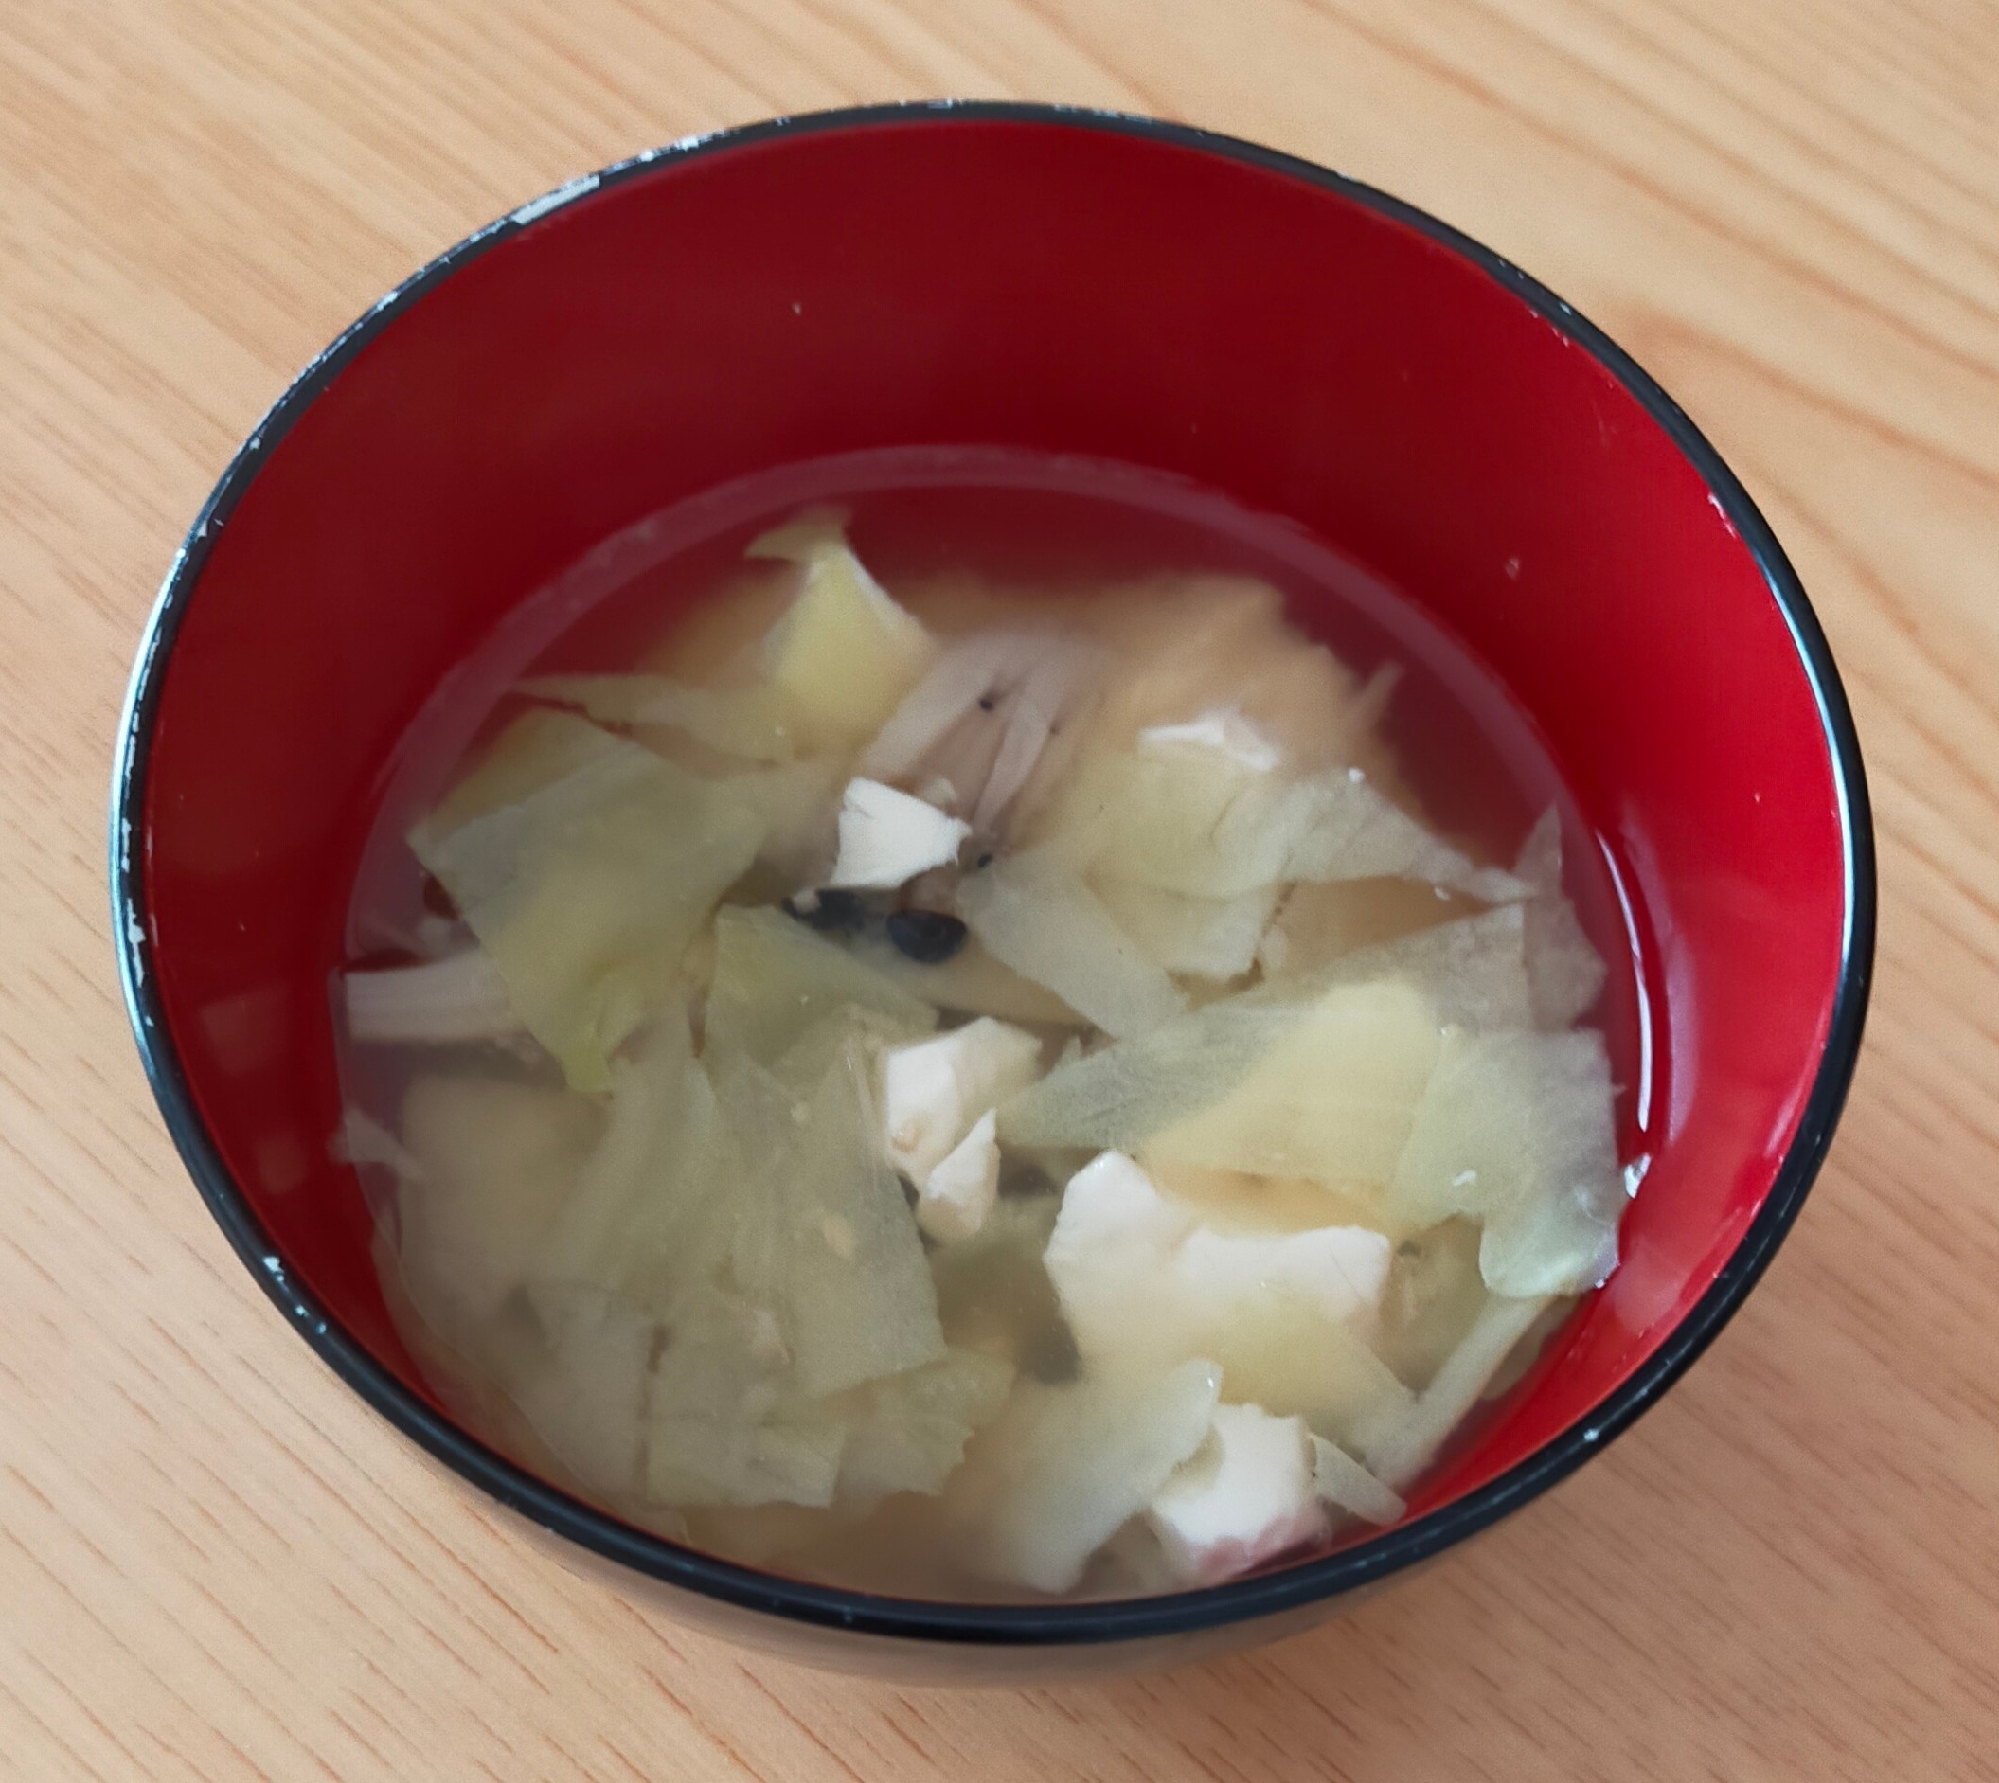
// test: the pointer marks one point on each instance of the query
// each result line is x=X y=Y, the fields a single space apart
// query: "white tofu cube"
x=888 y=837
x=934 y=1091
x=1141 y=1278
x=1244 y=1497
x=957 y=1196
x=1339 y=1271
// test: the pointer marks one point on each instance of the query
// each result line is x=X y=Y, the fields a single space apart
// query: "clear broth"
x=1024 y=528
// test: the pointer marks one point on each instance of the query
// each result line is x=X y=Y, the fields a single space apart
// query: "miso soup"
x=942 y=1042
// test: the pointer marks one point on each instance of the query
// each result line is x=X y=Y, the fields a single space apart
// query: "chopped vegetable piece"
x=647 y=1215
x=964 y=674
x=1179 y=642
x=751 y=1406
x=1202 y=937
x=1341 y=1480
x=754 y=723
x=460 y=997
x=844 y=652
x=970 y=982
x=1208 y=823
x=1565 y=972
x=709 y=1461
x=363 y=1140
x=792 y=803
x=775 y=979
x=728 y=1426
x=1356 y=833
x=1318 y=924
x=1332 y=1099
x=1239 y=1203
x=1114 y=1099
x=1515 y=1131
x=1474 y=971
x=587 y=889
x=497 y=1161
x=914 y=1427
x=1032 y=710
x=1033 y=913
x=537 y=751
x=979 y=724
x=724 y=1359
x=856 y=1299
x=1050 y=1480
x=1201 y=822
x=1434 y=1293
x=586 y=1402
x=1401 y=1448
x=1282 y=1353
x=865 y=1034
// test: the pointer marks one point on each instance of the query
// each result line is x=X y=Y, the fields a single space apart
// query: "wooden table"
x=215 y=1564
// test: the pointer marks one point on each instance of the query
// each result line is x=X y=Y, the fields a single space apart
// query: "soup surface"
x=1025 y=1034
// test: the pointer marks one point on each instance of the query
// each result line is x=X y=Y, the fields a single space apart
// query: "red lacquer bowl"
x=1047 y=281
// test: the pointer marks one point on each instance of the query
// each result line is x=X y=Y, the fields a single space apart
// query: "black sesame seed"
x=925 y=935
x=986 y=702
x=984 y=860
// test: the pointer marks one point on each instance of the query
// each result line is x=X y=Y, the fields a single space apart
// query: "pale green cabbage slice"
x=774 y=979
x=585 y=865
x=1036 y=915
x=1053 y=1477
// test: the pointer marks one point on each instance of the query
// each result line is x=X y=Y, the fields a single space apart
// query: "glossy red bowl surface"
x=1058 y=282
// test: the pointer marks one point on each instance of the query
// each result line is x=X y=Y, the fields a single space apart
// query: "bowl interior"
x=1054 y=285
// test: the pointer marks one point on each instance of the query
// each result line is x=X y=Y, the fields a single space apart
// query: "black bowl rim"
x=1009 y=1625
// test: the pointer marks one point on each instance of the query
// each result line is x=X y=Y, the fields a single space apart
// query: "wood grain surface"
x=215 y=1564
